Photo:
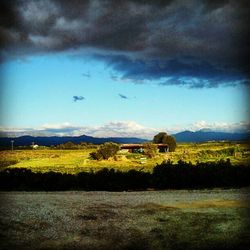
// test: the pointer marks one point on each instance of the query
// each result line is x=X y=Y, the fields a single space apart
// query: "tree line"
x=181 y=175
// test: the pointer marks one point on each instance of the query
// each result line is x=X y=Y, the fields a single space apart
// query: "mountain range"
x=185 y=136
x=207 y=135
x=56 y=140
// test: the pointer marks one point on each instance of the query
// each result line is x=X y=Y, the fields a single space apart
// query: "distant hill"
x=207 y=135
x=185 y=136
x=56 y=140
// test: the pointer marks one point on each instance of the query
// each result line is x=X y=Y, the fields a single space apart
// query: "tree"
x=150 y=150
x=105 y=151
x=67 y=145
x=163 y=137
x=159 y=137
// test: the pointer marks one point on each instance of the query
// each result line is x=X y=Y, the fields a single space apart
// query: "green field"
x=150 y=220
x=74 y=161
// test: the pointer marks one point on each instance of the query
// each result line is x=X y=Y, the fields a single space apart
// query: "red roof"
x=137 y=146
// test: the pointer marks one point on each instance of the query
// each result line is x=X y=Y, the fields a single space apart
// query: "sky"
x=123 y=68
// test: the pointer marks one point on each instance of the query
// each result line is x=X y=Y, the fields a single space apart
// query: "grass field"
x=159 y=220
x=74 y=161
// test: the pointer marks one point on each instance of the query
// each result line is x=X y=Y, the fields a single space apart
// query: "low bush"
x=150 y=150
x=6 y=163
x=105 y=151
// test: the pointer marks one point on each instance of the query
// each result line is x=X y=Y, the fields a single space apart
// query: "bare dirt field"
x=173 y=219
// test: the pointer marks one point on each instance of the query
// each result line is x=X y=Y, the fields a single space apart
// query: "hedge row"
x=164 y=176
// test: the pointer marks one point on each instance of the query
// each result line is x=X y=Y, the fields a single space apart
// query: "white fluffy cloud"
x=121 y=129
x=111 y=129
x=243 y=126
x=222 y=126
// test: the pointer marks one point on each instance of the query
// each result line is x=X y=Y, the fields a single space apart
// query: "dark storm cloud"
x=210 y=5
x=183 y=71
x=171 y=41
x=78 y=98
x=123 y=96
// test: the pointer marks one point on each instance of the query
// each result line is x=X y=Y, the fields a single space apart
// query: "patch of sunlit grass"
x=75 y=161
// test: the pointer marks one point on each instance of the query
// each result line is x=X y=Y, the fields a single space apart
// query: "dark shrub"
x=105 y=151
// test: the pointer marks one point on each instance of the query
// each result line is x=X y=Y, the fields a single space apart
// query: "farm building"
x=138 y=148
x=34 y=146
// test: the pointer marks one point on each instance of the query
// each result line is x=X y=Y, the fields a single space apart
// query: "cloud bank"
x=220 y=126
x=185 y=43
x=111 y=129
x=121 y=129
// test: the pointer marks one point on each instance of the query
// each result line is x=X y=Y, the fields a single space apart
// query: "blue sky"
x=39 y=90
x=108 y=88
